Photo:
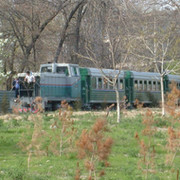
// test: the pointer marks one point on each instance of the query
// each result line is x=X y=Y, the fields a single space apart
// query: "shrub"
x=94 y=147
x=63 y=131
x=147 y=147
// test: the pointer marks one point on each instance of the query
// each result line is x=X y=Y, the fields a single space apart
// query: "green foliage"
x=16 y=173
x=161 y=122
x=47 y=118
x=15 y=123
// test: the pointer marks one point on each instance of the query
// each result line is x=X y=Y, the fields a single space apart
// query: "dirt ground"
x=126 y=113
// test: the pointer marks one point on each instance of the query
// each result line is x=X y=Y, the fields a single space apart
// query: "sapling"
x=147 y=148
x=63 y=131
x=94 y=147
x=34 y=145
x=173 y=138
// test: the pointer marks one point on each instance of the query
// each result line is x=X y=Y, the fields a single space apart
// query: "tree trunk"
x=77 y=36
x=162 y=96
x=64 y=31
x=118 y=105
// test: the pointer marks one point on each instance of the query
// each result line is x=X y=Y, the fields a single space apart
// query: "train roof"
x=59 y=64
x=174 y=77
x=107 y=72
x=145 y=75
x=111 y=72
x=136 y=75
x=24 y=74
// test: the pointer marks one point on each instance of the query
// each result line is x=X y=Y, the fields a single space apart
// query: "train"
x=56 y=82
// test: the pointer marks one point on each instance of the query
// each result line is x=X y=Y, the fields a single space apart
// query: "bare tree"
x=158 y=42
x=28 y=19
x=78 y=5
x=116 y=44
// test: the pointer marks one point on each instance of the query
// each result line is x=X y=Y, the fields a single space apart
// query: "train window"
x=177 y=85
x=62 y=70
x=149 y=86
x=145 y=85
x=158 y=86
x=140 y=86
x=105 y=83
x=136 y=85
x=110 y=84
x=121 y=84
x=99 y=83
x=46 y=69
x=93 y=82
x=117 y=83
x=74 y=71
x=154 y=86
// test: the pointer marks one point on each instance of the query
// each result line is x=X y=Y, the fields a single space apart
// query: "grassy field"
x=125 y=157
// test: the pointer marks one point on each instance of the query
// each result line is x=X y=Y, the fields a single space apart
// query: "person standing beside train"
x=16 y=87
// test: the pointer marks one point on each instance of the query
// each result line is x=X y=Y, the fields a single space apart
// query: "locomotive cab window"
x=46 y=69
x=75 y=71
x=62 y=70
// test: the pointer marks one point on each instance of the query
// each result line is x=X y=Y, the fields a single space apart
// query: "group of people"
x=29 y=83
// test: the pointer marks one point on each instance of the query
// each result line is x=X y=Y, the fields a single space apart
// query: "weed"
x=38 y=105
x=147 y=149
x=138 y=104
x=93 y=147
x=161 y=122
x=15 y=123
x=171 y=105
x=108 y=109
x=77 y=105
x=35 y=144
x=173 y=139
x=63 y=131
